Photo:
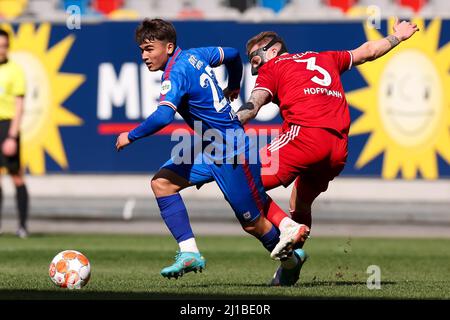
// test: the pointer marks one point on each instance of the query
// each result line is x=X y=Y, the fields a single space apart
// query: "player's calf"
x=264 y=231
x=302 y=215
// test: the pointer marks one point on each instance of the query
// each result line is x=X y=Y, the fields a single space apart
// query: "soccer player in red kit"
x=312 y=148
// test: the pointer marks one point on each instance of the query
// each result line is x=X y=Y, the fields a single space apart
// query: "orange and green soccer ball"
x=70 y=269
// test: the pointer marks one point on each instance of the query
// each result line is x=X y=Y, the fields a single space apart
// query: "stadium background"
x=86 y=83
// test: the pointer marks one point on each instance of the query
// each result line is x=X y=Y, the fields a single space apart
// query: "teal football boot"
x=184 y=262
x=288 y=277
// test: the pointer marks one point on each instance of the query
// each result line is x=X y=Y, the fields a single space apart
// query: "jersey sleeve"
x=213 y=55
x=18 y=84
x=173 y=89
x=343 y=60
x=266 y=80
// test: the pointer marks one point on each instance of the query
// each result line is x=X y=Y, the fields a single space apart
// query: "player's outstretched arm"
x=155 y=122
x=372 y=50
x=249 y=110
x=233 y=63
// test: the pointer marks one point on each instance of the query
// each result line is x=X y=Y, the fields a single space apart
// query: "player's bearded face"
x=155 y=54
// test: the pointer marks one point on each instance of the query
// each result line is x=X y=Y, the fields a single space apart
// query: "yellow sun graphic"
x=47 y=89
x=406 y=106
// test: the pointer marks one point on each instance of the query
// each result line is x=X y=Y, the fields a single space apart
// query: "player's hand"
x=404 y=30
x=9 y=147
x=231 y=94
x=122 y=141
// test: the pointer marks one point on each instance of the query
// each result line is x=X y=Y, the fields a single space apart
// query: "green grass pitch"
x=127 y=267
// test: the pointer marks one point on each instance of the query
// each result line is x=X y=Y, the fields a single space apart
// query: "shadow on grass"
x=108 y=295
x=299 y=285
x=341 y=283
x=6 y=294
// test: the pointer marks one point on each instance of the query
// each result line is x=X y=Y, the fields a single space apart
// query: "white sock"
x=286 y=222
x=188 y=245
x=290 y=262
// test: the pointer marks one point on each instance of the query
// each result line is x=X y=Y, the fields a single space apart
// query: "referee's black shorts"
x=12 y=164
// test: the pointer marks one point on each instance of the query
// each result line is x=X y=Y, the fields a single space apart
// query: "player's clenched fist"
x=231 y=94
x=404 y=30
x=122 y=141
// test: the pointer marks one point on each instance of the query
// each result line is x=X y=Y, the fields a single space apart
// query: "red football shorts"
x=314 y=155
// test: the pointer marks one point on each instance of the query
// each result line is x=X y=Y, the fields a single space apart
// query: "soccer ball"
x=70 y=269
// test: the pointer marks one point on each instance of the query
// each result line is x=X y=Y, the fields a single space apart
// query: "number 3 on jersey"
x=311 y=65
x=206 y=79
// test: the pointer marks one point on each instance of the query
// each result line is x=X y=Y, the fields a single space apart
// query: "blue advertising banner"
x=86 y=86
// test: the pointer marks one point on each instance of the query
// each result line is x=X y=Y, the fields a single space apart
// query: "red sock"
x=274 y=213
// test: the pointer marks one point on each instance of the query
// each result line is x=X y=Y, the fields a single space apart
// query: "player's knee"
x=162 y=187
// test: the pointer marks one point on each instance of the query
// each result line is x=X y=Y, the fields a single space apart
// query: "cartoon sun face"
x=410 y=96
x=405 y=107
x=46 y=90
x=37 y=97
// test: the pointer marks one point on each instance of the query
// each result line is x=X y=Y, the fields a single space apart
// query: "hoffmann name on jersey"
x=308 y=89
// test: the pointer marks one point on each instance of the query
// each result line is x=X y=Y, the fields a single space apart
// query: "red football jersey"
x=308 y=89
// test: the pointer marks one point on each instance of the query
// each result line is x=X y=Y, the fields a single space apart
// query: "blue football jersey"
x=189 y=86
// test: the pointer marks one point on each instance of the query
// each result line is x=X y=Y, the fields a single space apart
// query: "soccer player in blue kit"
x=190 y=88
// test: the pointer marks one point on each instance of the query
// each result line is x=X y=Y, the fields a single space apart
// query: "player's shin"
x=22 y=205
x=270 y=239
x=175 y=216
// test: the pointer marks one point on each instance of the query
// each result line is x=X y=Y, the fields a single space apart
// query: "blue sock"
x=270 y=239
x=175 y=216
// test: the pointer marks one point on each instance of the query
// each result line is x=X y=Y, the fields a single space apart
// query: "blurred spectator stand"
x=107 y=6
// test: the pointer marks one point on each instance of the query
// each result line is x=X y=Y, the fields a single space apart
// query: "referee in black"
x=12 y=93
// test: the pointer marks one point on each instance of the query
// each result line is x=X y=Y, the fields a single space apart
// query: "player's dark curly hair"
x=151 y=29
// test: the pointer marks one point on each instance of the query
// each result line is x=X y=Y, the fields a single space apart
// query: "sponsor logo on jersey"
x=165 y=87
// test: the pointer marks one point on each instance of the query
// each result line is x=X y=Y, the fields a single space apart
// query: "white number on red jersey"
x=311 y=65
